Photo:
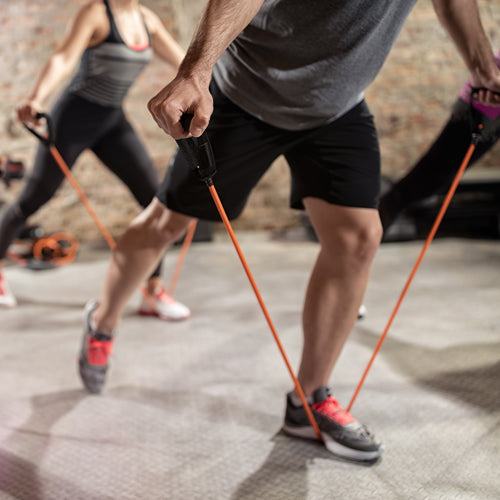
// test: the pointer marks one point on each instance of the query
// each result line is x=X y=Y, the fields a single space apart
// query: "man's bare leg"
x=136 y=255
x=349 y=238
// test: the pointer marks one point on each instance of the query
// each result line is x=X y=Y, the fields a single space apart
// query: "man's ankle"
x=99 y=325
x=297 y=401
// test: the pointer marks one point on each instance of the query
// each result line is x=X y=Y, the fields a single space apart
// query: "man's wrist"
x=200 y=74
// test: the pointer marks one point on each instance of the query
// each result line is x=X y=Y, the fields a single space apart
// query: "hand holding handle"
x=47 y=139
x=199 y=151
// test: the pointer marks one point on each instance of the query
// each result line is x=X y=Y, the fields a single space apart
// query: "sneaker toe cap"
x=360 y=437
x=93 y=378
x=174 y=311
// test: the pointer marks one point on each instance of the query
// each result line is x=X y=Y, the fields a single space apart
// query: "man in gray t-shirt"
x=299 y=65
x=288 y=78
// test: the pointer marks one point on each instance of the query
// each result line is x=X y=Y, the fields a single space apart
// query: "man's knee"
x=367 y=240
x=160 y=226
x=170 y=230
x=358 y=242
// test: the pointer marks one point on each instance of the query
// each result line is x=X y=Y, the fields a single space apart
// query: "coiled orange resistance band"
x=199 y=152
x=435 y=226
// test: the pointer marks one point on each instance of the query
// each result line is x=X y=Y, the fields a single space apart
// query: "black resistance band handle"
x=47 y=139
x=475 y=90
x=476 y=117
x=198 y=151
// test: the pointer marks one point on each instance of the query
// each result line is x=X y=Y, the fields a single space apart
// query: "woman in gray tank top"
x=108 y=42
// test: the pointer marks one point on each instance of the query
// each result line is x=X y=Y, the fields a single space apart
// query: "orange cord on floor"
x=428 y=241
x=230 y=231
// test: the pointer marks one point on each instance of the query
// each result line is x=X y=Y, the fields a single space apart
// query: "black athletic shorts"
x=338 y=162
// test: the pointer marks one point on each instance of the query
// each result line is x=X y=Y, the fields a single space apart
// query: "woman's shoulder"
x=94 y=9
x=92 y=16
x=151 y=18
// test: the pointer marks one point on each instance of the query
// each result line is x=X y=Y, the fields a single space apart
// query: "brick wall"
x=410 y=99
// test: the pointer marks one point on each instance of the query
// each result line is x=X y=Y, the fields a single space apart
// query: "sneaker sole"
x=8 y=301
x=8 y=305
x=333 y=446
x=146 y=312
x=91 y=385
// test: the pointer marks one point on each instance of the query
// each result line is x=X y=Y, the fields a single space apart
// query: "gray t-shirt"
x=302 y=63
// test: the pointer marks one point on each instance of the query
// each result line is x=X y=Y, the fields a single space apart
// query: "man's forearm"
x=220 y=24
x=188 y=92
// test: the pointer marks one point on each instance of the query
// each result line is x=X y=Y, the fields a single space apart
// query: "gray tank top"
x=108 y=70
x=303 y=63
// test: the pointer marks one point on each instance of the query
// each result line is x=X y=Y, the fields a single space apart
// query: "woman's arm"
x=80 y=32
x=220 y=24
x=462 y=21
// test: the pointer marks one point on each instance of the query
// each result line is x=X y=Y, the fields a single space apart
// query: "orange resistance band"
x=67 y=172
x=50 y=248
x=230 y=231
x=182 y=255
x=428 y=241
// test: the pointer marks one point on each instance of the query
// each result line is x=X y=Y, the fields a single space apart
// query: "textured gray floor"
x=193 y=410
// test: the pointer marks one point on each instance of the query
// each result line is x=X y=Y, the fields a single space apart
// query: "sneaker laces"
x=332 y=409
x=162 y=295
x=98 y=351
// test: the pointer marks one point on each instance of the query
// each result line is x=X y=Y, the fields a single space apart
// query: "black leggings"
x=437 y=168
x=79 y=125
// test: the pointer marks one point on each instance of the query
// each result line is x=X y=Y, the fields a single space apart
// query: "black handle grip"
x=476 y=117
x=198 y=151
x=475 y=90
x=47 y=139
x=185 y=120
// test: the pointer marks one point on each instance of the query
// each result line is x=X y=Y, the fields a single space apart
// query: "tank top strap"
x=114 y=35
